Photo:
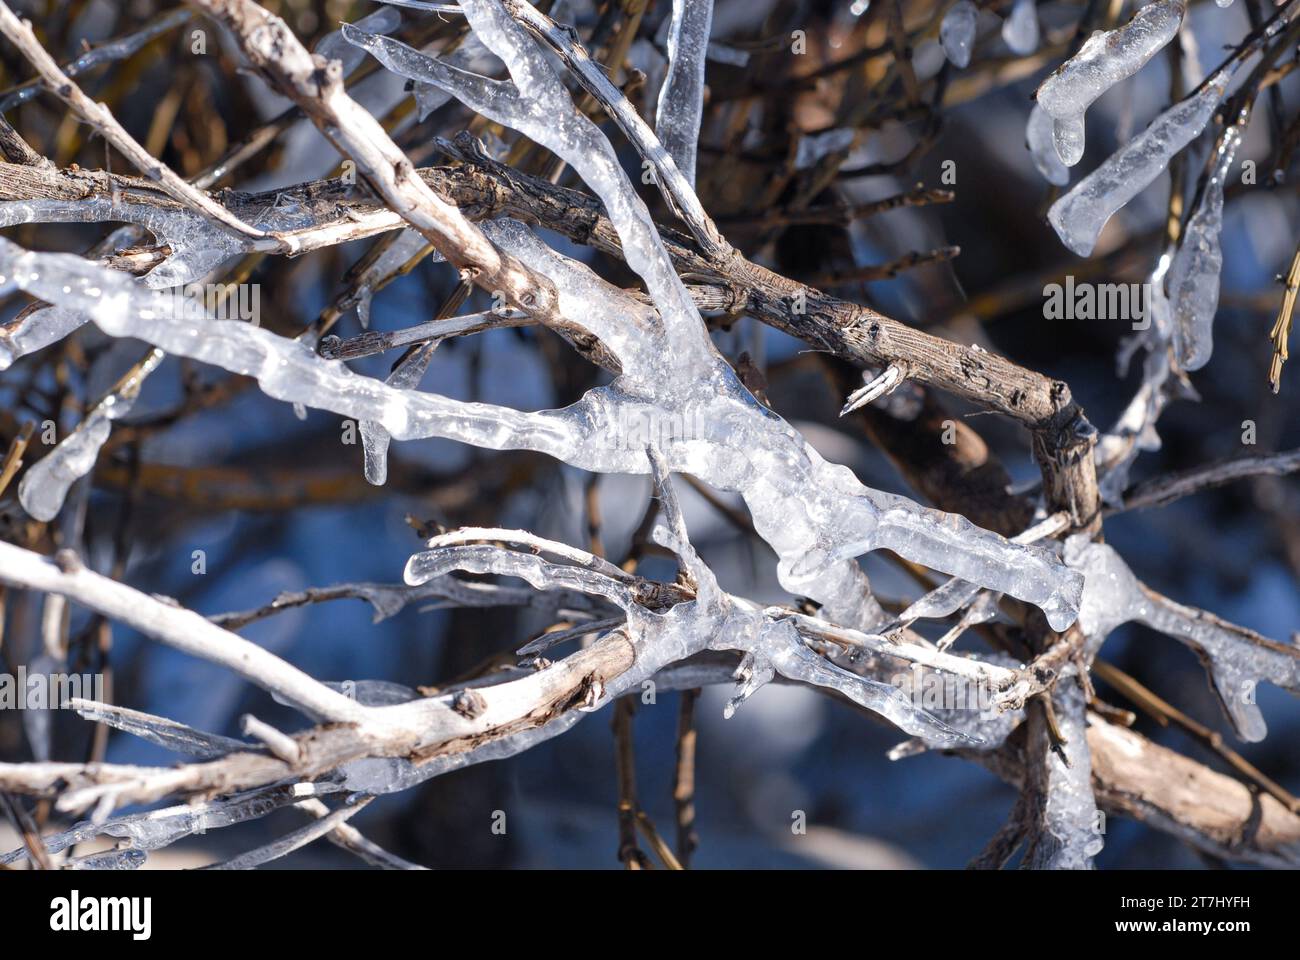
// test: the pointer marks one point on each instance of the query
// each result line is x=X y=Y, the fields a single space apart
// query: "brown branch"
x=684 y=778
x=1165 y=490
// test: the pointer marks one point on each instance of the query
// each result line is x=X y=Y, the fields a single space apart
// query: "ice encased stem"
x=1194 y=274
x=45 y=485
x=1106 y=58
x=1079 y=216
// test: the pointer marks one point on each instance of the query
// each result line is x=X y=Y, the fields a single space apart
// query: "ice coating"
x=1078 y=217
x=128 y=859
x=1068 y=136
x=159 y=828
x=816 y=515
x=1068 y=837
x=1106 y=58
x=46 y=483
x=1194 y=273
x=1135 y=429
x=374 y=438
x=40 y=324
x=1042 y=148
x=714 y=620
x=1020 y=28
x=1236 y=658
x=957 y=33
x=332 y=46
x=681 y=98
x=538 y=105
x=170 y=734
x=687 y=383
x=36 y=329
x=198 y=246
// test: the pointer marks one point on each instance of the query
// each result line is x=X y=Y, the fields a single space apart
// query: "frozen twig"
x=102 y=119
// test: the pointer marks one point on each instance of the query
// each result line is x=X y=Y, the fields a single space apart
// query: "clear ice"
x=1042 y=148
x=1235 y=658
x=677 y=116
x=957 y=33
x=46 y=483
x=1194 y=274
x=1020 y=28
x=1104 y=60
x=1078 y=217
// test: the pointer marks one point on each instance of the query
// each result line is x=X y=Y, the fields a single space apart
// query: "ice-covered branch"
x=670 y=378
x=1080 y=215
x=1236 y=659
x=316 y=85
x=182 y=629
x=101 y=118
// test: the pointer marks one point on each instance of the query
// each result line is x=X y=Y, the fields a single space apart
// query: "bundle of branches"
x=651 y=200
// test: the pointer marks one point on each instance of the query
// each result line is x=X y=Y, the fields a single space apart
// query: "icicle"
x=681 y=98
x=1194 y=274
x=1042 y=148
x=1236 y=659
x=46 y=484
x=374 y=438
x=169 y=734
x=1104 y=60
x=332 y=46
x=1068 y=135
x=957 y=33
x=1079 y=216
x=1020 y=28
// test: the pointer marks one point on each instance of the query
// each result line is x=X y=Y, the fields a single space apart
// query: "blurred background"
x=277 y=503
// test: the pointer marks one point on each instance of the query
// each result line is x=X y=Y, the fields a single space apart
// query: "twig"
x=102 y=119
x=1281 y=331
x=684 y=778
x=1160 y=491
